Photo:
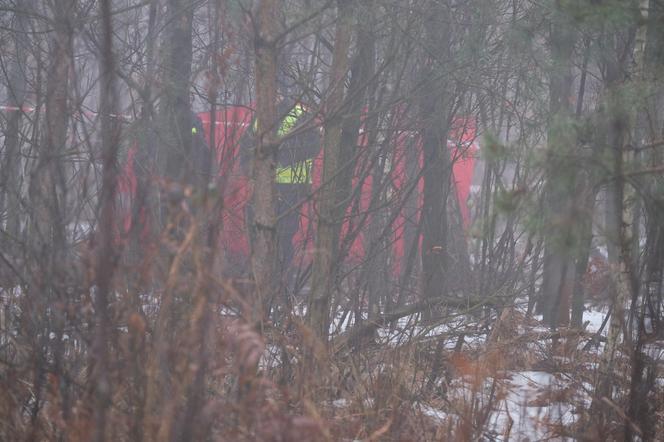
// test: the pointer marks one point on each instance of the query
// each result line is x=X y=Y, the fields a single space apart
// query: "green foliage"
x=492 y=148
x=605 y=13
x=508 y=200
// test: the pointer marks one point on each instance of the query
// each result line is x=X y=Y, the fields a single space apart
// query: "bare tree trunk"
x=145 y=207
x=264 y=244
x=559 y=268
x=361 y=72
x=434 y=118
x=176 y=161
x=624 y=276
x=585 y=210
x=328 y=221
x=10 y=190
x=47 y=186
x=641 y=409
x=191 y=425
x=413 y=227
x=49 y=274
x=587 y=207
x=107 y=255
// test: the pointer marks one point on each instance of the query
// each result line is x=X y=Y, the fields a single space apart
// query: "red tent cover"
x=463 y=149
x=231 y=123
x=235 y=186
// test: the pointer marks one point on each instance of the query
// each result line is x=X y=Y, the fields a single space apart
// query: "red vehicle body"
x=230 y=124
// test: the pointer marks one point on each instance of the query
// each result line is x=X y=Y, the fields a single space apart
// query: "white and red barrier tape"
x=125 y=117
x=89 y=114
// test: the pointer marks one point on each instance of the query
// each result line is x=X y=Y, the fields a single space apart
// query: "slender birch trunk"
x=623 y=195
x=328 y=219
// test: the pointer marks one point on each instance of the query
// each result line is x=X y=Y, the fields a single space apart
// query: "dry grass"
x=189 y=362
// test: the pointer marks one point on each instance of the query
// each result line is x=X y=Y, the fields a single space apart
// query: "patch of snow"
x=594 y=317
x=523 y=417
x=340 y=403
x=340 y=324
x=271 y=357
x=655 y=351
x=434 y=413
x=603 y=251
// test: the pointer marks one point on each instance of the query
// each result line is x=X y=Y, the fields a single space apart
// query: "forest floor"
x=517 y=382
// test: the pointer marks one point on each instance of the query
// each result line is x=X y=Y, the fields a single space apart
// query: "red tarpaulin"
x=230 y=124
x=462 y=148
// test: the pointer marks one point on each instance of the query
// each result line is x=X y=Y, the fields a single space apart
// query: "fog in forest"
x=331 y=220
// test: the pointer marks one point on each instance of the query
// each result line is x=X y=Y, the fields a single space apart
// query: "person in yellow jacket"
x=293 y=176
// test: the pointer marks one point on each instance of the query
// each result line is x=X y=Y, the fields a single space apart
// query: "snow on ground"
x=529 y=406
x=594 y=316
x=438 y=416
x=407 y=329
x=526 y=413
